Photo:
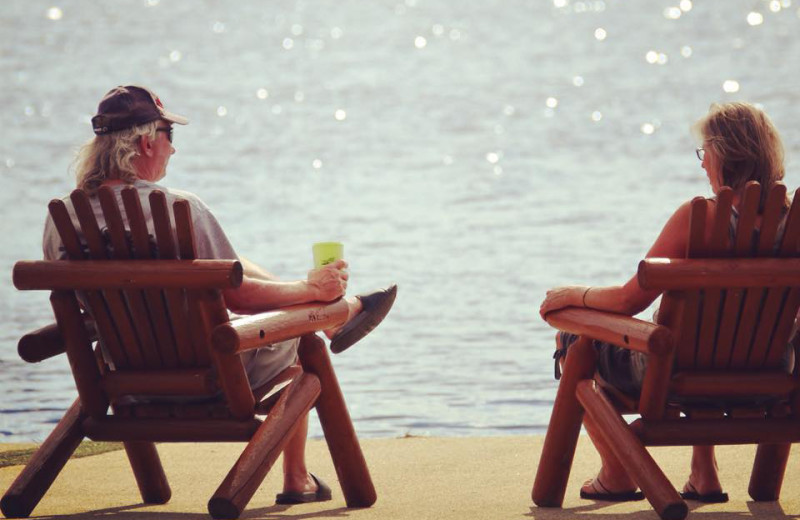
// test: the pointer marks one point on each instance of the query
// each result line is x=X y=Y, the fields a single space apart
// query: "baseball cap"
x=125 y=107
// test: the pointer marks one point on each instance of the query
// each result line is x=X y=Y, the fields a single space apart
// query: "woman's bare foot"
x=606 y=482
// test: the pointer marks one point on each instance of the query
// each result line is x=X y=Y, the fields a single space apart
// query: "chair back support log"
x=154 y=305
x=731 y=305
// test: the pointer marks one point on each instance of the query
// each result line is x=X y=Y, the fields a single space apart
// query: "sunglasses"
x=168 y=131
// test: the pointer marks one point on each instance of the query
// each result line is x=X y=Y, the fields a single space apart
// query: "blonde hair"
x=110 y=156
x=746 y=144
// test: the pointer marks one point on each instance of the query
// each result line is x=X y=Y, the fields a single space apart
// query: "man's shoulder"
x=173 y=195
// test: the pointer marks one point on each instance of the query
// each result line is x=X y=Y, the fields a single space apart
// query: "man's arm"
x=253 y=270
x=257 y=295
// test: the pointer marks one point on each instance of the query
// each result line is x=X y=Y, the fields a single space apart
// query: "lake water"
x=474 y=152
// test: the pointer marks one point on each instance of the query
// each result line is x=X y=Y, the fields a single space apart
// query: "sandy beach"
x=416 y=478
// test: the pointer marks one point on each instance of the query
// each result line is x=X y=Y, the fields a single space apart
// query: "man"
x=132 y=146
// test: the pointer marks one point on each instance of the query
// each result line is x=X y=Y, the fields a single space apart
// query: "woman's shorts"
x=622 y=368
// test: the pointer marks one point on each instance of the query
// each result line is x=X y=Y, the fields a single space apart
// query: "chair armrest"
x=47 y=342
x=271 y=327
x=623 y=331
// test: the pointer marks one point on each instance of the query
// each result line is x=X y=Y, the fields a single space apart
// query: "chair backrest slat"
x=142 y=249
x=186 y=247
x=718 y=246
x=791 y=297
x=176 y=301
x=734 y=297
x=137 y=306
x=687 y=341
x=735 y=328
x=149 y=333
x=100 y=313
x=753 y=317
x=117 y=307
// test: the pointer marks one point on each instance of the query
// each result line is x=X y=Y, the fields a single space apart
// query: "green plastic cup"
x=326 y=253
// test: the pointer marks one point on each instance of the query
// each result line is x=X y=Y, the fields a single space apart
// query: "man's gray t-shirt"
x=211 y=243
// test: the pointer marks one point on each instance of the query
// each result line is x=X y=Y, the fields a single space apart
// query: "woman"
x=740 y=144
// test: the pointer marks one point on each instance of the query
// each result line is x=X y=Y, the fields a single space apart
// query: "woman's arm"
x=630 y=298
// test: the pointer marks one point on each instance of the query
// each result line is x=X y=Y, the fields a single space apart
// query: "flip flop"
x=715 y=497
x=322 y=494
x=376 y=306
x=602 y=493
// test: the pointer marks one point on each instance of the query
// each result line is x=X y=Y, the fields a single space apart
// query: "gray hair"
x=110 y=157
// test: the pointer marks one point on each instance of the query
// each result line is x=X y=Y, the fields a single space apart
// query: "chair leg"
x=149 y=473
x=45 y=465
x=565 y=427
x=348 y=459
x=768 y=470
x=627 y=447
x=264 y=447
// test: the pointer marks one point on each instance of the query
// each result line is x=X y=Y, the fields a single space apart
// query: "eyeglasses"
x=699 y=151
x=168 y=131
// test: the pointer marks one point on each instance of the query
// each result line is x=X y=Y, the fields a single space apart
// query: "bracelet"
x=584 y=296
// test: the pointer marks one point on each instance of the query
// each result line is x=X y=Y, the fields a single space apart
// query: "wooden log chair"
x=714 y=355
x=165 y=331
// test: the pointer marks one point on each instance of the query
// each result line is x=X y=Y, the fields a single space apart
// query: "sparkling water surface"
x=476 y=153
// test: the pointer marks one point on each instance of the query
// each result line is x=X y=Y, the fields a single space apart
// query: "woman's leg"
x=612 y=477
x=295 y=472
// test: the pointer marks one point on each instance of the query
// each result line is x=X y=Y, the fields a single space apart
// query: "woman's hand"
x=560 y=297
x=329 y=282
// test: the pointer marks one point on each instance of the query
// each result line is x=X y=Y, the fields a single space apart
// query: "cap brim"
x=174 y=118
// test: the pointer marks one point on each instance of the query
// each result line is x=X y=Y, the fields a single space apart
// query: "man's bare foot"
x=299 y=483
x=353 y=308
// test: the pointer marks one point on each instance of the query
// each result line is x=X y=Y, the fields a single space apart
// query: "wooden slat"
x=175 y=298
x=181 y=381
x=79 y=351
x=126 y=274
x=232 y=376
x=155 y=301
x=94 y=299
x=629 y=450
x=732 y=384
x=712 y=301
x=715 y=432
x=169 y=430
x=687 y=274
x=789 y=248
x=140 y=320
x=751 y=299
x=186 y=250
x=752 y=317
x=696 y=248
x=118 y=311
x=734 y=296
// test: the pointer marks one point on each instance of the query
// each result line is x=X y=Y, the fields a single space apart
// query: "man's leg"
x=295 y=472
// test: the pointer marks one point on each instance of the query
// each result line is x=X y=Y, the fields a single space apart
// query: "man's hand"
x=329 y=282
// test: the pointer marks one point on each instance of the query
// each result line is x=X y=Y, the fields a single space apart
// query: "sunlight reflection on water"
x=476 y=156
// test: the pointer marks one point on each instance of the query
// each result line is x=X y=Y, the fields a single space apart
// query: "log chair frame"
x=187 y=333
x=723 y=324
